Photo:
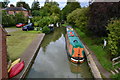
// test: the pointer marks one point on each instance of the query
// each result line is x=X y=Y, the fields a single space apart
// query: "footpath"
x=96 y=68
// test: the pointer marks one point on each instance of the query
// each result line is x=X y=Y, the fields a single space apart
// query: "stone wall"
x=3 y=55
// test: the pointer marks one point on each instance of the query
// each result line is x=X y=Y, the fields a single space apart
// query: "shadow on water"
x=52 y=60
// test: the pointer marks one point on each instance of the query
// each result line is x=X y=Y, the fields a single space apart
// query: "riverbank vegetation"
x=94 y=25
x=48 y=14
x=12 y=20
x=98 y=21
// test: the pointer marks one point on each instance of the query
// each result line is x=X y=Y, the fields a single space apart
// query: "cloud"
x=62 y=3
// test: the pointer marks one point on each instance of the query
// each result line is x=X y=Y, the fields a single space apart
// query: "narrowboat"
x=75 y=48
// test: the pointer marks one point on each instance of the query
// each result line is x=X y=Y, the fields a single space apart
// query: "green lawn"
x=100 y=53
x=18 y=42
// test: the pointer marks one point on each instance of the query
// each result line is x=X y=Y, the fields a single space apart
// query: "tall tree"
x=23 y=4
x=69 y=1
x=35 y=5
x=100 y=14
x=69 y=8
x=47 y=1
x=4 y=4
x=79 y=18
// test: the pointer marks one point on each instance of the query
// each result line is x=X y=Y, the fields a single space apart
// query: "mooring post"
x=3 y=55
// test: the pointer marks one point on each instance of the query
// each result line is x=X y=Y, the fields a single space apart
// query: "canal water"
x=52 y=60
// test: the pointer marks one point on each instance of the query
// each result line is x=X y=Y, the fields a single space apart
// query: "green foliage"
x=116 y=76
x=10 y=20
x=35 y=5
x=100 y=13
x=69 y=8
x=45 y=21
x=45 y=29
x=20 y=18
x=114 y=36
x=4 y=4
x=36 y=13
x=25 y=5
x=101 y=54
x=79 y=18
x=48 y=14
x=35 y=24
x=49 y=9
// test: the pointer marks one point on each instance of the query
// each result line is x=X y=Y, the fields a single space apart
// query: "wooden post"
x=3 y=55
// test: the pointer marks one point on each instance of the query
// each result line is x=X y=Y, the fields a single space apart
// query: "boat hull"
x=71 y=57
x=14 y=63
x=16 y=69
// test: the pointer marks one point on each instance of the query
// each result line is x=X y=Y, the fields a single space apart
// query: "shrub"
x=114 y=36
x=79 y=18
x=45 y=29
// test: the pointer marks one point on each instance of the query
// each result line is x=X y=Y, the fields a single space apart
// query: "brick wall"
x=11 y=12
x=3 y=55
x=25 y=12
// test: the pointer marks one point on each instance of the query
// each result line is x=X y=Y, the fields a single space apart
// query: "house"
x=3 y=55
x=13 y=10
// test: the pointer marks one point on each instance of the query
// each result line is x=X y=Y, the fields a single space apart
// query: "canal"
x=52 y=60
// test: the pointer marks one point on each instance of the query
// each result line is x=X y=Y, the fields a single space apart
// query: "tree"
x=35 y=5
x=100 y=14
x=20 y=18
x=36 y=13
x=49 y=9
x=4 y=4
x=47 y=1
x=7 y=20
x=69 y=1
x=23 y=4
x=46 y=30
x=114 y=37
x=79 y=18
x=48 y=14
x=11 y=5
x=69 y=8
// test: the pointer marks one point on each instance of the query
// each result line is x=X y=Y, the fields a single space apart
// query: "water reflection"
x=52 y=60
x=52 y=37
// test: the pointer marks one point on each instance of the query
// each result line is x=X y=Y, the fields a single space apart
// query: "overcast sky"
x=62 y=3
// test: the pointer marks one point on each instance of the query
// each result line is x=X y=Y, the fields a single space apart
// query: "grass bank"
x=18 y=42
x=101 y=54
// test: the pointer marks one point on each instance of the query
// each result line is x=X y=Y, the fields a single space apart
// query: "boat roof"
x=68 y=32
x=69 y=26
x=75 y=41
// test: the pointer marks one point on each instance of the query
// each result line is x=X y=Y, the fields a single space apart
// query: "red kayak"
x=16 y=69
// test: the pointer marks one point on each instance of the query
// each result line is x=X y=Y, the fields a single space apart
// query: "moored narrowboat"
x=75 y=48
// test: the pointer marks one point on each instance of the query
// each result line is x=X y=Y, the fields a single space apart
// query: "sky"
x=62 y=3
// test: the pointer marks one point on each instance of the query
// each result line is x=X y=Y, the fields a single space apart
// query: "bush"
x=114 y=37
x=45 y=30
x=11 y=20
x=79 y=18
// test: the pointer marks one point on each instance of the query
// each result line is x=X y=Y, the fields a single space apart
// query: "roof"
x=75 y=42
x=15 y=9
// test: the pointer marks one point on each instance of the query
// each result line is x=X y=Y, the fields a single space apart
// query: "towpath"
x=103 y=72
